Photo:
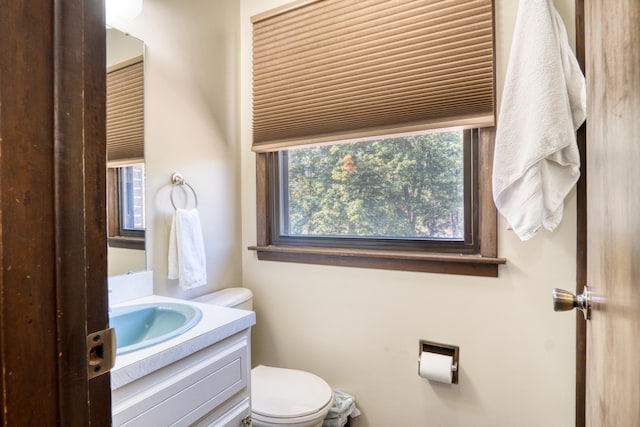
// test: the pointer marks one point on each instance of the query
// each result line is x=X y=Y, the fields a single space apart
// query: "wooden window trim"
x=485 y=263
x=127 y=242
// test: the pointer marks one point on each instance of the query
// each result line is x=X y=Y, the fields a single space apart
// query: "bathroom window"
x=126 y=205
x=301 y=191
x=411 y=193
x=373 y=133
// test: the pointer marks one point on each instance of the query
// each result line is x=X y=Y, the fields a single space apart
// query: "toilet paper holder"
x=444 y=349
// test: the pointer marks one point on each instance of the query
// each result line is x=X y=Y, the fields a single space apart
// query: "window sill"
x=127 y=242
x=471 y=265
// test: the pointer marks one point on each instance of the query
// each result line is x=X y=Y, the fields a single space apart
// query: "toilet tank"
x=231 y=297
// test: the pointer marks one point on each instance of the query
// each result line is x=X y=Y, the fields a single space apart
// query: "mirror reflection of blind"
x=125 y=111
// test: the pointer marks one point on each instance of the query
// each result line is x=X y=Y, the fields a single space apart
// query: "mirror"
x=125 y=154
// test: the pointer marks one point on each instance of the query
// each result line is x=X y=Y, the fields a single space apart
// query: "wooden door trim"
x=27 y=294
x=581 y=235
x=80 y=204
x=52 y=211
x=613 y=92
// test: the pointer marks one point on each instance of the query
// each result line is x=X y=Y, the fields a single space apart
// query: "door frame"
x=53 y=289
x=581 y=235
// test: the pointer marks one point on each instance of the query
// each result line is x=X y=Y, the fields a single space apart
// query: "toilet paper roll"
x=436 y=367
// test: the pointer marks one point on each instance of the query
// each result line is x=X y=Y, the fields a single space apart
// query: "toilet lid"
x=287 y=393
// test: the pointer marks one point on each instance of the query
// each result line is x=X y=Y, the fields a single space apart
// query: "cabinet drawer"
x=231 y=414
x=185 y=391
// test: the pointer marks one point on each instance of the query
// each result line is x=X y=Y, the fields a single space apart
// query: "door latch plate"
x=101 y=352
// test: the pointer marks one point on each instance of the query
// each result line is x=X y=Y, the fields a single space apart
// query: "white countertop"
x=217 y=323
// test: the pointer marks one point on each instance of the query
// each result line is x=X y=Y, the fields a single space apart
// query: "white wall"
x=359 y=329
x=191 y=127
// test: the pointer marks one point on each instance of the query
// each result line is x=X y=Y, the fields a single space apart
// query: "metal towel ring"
x=178 y=179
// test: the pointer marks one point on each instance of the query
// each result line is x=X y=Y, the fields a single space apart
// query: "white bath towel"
x=536 y=160
x=187 y=261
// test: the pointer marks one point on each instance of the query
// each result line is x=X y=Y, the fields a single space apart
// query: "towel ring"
x=177 y=179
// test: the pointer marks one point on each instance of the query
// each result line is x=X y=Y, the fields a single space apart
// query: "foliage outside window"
x=409 y=193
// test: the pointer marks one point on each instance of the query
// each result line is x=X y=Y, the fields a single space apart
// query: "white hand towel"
x=536 y=160
x=187 y=261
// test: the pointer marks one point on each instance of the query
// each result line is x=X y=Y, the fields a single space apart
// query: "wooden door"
x=52 y=211
x=613 y=205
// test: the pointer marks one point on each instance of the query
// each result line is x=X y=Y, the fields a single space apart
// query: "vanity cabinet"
x=209 y=387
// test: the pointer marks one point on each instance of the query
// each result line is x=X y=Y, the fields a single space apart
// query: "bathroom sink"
x=143 y=325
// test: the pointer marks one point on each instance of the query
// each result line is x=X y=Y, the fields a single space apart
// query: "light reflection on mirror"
x=125 y=158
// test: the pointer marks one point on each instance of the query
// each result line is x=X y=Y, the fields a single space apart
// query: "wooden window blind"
x=328 y=70
x=125 y=111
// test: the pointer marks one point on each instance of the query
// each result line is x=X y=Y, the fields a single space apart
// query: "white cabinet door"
x=189 y=390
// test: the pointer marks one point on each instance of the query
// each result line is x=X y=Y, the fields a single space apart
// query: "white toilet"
x=279 y=397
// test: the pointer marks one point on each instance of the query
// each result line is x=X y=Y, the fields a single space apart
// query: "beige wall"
x=123 y=261
x=122 y=47
x=359 y=329
x=191 y=127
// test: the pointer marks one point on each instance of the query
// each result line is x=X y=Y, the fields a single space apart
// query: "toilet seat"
x=288 y=396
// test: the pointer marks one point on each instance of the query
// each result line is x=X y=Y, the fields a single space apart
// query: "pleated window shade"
x=338 y=70
x=125 y=111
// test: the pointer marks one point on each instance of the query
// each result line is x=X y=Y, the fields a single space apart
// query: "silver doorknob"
x=565 y=300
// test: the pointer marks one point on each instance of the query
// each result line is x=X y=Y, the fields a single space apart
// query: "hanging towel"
x=187 y=261
x=536 y=160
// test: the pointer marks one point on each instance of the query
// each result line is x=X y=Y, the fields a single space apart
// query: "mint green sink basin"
x=143 y=325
